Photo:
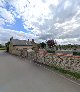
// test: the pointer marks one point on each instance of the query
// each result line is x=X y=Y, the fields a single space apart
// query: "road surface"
x=19 y=75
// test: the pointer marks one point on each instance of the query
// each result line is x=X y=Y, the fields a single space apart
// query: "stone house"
x=16 y=44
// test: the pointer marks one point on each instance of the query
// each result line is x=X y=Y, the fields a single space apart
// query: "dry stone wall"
x=67 y=62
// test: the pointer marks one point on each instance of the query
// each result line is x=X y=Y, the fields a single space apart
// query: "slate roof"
x=17 y=42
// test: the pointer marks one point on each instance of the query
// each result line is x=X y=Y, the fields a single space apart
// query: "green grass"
x=69 y=73
x=51 y=51
x=2 y=48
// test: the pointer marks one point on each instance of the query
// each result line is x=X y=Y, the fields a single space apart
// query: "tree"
x=51 y=43
x=1 y=46
x=7 y=46
x=42 y=45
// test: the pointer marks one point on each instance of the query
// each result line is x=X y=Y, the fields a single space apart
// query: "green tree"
x=51 y=43
x=7 y=46
x=42 y=45
x=1 y=46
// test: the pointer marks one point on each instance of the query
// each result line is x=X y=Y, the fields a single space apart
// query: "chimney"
x=32 y=40
x=28 y=40
x=11 y=38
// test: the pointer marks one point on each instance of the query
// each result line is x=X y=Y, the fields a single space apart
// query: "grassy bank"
x=75 y=75
x=67 y=72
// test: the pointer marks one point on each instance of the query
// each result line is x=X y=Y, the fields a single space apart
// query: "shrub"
x=76 y=53
x=51 y=51
x=51 y=43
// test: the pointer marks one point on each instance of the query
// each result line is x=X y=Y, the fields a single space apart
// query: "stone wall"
x=67 y=62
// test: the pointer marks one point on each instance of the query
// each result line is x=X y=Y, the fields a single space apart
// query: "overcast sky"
x=41 y=20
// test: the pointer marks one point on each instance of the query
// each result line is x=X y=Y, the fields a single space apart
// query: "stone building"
x=16 y=44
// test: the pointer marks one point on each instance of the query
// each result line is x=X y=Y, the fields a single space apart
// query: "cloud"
x=49 y=19
x=64 y=24
x=6 y=15
x=2 y=21
x=6 y=34
x=2 y=3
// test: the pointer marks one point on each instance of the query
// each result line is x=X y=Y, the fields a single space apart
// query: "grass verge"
x=69 y=73
x=2 y=48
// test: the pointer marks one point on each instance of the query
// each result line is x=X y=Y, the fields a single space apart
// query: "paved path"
x=17 y=75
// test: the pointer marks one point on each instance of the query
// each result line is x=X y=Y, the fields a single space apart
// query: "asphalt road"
x=19 y=75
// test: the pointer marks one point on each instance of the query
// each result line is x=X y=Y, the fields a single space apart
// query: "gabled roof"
x=17 y=42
